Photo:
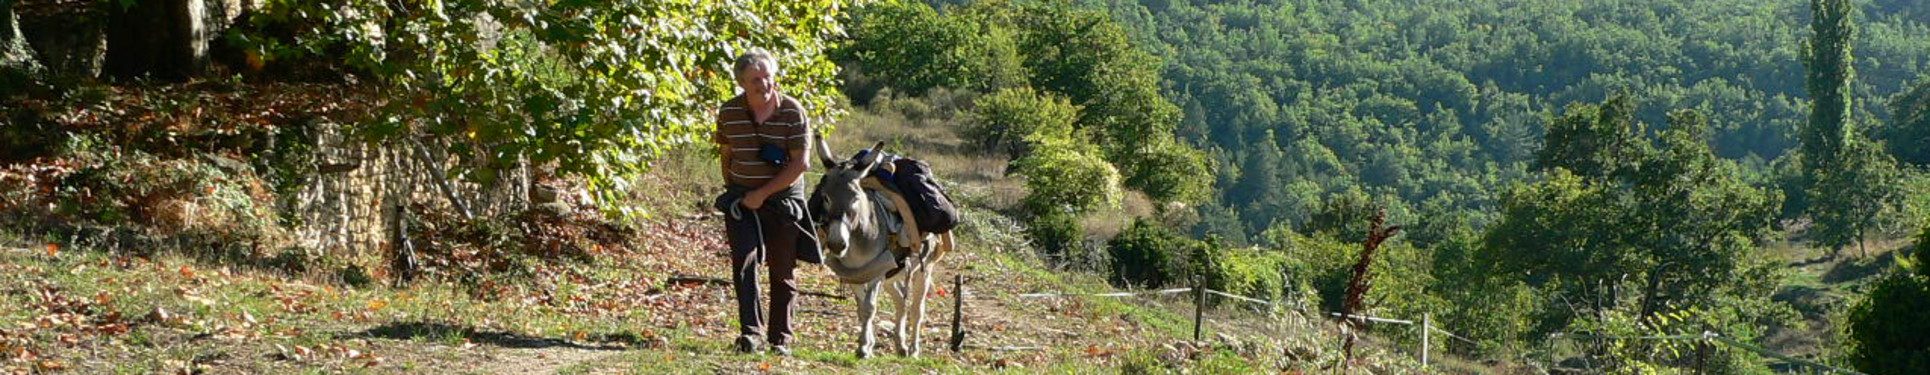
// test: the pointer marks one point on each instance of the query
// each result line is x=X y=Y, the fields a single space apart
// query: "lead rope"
x=737 y=213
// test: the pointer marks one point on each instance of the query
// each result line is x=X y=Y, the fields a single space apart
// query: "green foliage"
x=1826 y=55
x=1909 y=127
x=1793 y=181
x=1592 y=141
x=1084 y=55
x=1252 y=272
x=1002 y=120
x=1345 y=216
x=1629 y=356
x=1319 y=266
x=917 y=49
x=1065 y=176
x=1318 y=263
x=1851 y=179
x=1436 y=102
x=1848 y=200
x=1067 y=53
x=1170 y=171
x=1886 y=326
x=1679 y=230
x=1058 y=237
x=599 y=89
x=1497 y=311
x=1151 y=255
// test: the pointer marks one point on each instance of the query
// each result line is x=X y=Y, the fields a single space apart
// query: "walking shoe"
x=746 y=344
x=782 y=350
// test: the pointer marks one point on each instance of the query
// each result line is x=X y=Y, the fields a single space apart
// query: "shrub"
x=1066 y=176
x=1056 y=236
x=1146 y=254
x=1001 y=121
x=1251 y=272
x=1887 y=326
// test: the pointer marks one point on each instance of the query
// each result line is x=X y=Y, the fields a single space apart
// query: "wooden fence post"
x=1199 y=305
x=958 y=312
x=1702 y=353
x=1427 y=324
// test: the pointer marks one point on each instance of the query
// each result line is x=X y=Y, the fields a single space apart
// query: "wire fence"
x=1426 y=324
x=1199 y=316
x=1707 y=337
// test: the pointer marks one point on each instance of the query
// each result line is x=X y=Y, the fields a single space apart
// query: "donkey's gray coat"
x=855 y=236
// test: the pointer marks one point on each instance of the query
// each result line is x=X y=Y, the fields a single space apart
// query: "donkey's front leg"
x=867 y=298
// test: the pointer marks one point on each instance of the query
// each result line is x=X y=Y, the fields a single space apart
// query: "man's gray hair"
x=756 y=55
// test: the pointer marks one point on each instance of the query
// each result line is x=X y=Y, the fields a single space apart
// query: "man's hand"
x=754 y=199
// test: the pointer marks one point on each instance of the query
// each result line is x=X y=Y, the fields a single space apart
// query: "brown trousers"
x=777 y=247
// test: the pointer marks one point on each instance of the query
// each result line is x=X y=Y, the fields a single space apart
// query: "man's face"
x=758 y=81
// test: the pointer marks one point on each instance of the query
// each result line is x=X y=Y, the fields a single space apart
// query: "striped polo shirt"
x=741 y=136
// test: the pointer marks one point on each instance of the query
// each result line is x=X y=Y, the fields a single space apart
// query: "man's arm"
x=793 y=169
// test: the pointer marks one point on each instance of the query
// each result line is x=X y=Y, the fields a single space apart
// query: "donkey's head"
x=847 y=210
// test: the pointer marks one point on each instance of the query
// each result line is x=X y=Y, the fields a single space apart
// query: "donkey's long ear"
x=876 y=154
x=824 y=152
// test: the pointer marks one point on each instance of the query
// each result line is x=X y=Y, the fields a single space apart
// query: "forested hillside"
x=1508 y=186
x=1635 y=167
x=1434 y=106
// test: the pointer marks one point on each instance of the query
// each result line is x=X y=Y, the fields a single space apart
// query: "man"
x=763 y=135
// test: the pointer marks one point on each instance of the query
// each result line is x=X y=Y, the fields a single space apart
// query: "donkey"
x=855 y=236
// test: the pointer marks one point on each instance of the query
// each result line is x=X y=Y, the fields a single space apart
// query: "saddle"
x=906 y=239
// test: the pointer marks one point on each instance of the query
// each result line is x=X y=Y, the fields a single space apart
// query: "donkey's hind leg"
x=920 y=288
x=898 y=303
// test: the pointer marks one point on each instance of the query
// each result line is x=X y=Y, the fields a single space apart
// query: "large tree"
x=1850 y=180
x=1828 y=58
x=1673 y=222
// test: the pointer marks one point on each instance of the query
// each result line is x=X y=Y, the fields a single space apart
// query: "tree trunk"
x=1655 y=286
x=66 y=35
x=165 y=39
x=1861 y=244
x=16 y=59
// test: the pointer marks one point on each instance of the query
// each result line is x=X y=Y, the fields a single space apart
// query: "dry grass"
x=976 y=177
x=679 y=184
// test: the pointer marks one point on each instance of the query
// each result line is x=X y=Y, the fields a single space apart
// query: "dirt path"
x=547 y=360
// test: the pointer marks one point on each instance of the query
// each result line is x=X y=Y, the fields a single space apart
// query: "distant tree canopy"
x=1435 y=102
x=916 y=49
x=1607 y=166
x=1908 y=132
